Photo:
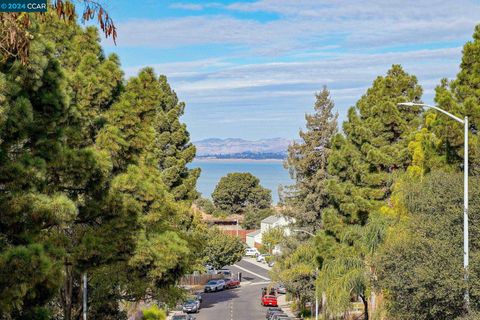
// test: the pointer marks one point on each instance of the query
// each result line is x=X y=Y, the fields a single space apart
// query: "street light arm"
x=411 y=104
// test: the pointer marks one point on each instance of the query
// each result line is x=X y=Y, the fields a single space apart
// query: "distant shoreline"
x=236 y=160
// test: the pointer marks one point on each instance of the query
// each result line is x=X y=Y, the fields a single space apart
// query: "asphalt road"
x=237 y=304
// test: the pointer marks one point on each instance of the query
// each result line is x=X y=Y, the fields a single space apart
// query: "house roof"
x=254 y=233
x=271 y=219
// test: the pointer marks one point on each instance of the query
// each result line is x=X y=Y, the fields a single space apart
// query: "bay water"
x=271 y=173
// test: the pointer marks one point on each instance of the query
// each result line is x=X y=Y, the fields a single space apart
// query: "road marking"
x=258 y=283
x=251 y=272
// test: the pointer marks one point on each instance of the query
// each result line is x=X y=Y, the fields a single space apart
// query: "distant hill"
x=235 y=148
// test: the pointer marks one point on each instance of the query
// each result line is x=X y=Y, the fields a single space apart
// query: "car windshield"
x=190 y=301
x=212 y=282
x=270 y=297
x=179 y=318
x=227 y=279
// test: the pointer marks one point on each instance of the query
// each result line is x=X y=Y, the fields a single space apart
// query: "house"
x=254 y=239
x=275 y=221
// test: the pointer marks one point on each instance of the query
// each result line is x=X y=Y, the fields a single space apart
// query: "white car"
x=251 y=252
x=261 y=257
x=214 y=285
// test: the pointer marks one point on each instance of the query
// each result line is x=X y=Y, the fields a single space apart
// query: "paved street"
x=237 y=304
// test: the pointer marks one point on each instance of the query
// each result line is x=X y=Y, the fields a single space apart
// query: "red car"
x=269 y=300
x=231 y=283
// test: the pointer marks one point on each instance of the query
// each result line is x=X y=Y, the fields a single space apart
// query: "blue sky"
x=250 y=69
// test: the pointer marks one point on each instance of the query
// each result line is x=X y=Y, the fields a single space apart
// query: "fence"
x=242 y=234
x=198 y=279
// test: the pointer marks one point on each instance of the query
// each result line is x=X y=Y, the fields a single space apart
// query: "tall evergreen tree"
x=364 y=161
x=94 y=81
x=363 y=166
x=307 y=163
x=462 y=98
x=132 y=137
x=46 y=183
x=176 y=150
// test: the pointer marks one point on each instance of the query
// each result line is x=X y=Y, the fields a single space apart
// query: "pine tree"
x=461 y=97
x=133 y=137
x=363 y=163
x=94 y=81
x=307 y=163
x=176 y=151
x=363 y=166
x=36 y=201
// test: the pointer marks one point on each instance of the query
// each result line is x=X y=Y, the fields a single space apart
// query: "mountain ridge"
x=275 y=148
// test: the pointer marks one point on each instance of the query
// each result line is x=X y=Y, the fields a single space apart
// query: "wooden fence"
x=242 y=234
x=198 y=279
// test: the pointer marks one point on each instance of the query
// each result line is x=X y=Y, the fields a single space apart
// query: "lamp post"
x=465 y=191
x=316 y=275
x=85 y=296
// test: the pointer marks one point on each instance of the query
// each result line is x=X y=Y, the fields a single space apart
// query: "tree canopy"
x=222 y=249
x=237 y=191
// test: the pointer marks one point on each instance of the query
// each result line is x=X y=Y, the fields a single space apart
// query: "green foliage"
x=205 y=205
x=421 y=265
x=363 y=166
x=221 y=249
x=273 y=237
x=462 y=98
x=307 y=163
x=363 y=162
x=37 y=204
x=253 y=217
x=93 y=177
x=296 y=270
x=236 y=191
x=153 y=313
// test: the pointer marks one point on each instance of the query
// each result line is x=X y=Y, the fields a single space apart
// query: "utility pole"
x=84 y=296
x=465 y=192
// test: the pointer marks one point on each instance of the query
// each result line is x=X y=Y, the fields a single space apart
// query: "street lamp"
x=465 y=189
x=316 y=274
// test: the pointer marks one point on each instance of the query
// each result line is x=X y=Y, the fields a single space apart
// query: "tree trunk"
x=67 y=292
x=373 y=301
x=365 y=306
x=324 y=305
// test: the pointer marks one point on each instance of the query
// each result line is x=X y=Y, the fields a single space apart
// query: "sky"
x=250 y=69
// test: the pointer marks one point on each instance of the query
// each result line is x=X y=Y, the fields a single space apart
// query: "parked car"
x=272 y=311
x=281 y=289
x=276 y=314
x=279 y=316
x=269 y=300
x=262 y=257
x=231 y=283
x=251 y=252
x=191 y=306
x=214 y=285
x=225 y=272
x=198 y=296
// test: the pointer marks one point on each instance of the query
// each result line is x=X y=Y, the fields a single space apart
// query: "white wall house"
x=273 y=221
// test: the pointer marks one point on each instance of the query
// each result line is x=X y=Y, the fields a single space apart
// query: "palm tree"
x=350 y=271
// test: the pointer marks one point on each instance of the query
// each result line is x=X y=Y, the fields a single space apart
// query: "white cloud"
x=310 y=25
x=342 y=43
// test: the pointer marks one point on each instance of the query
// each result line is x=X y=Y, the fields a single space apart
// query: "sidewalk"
x=285 y=305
